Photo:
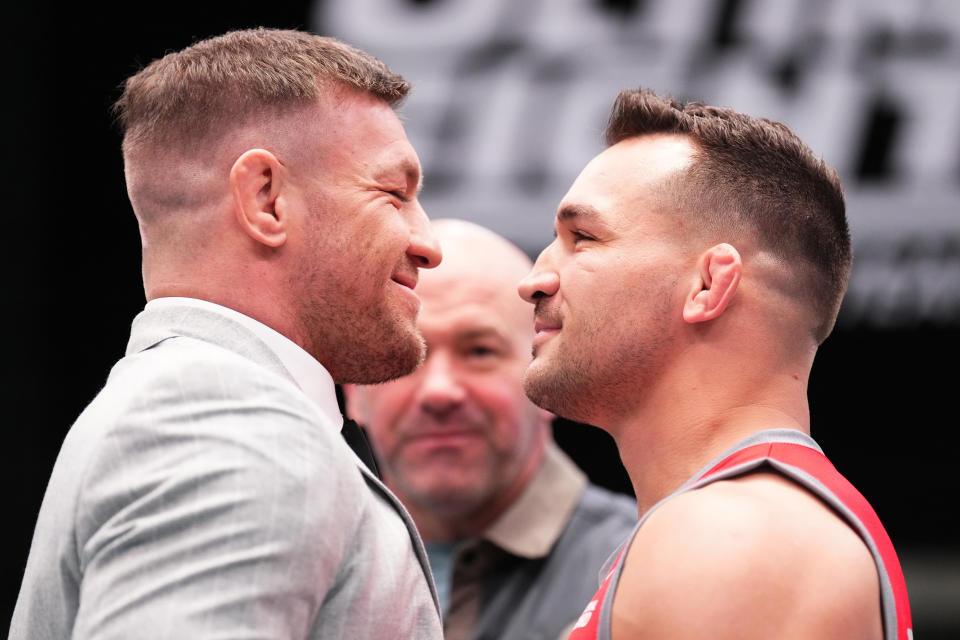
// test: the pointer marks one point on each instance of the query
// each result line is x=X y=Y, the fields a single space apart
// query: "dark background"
x=883 y=401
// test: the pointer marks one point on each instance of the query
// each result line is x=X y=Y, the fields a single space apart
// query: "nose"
x=542 y=281
x=440 y=389
x=424 y=247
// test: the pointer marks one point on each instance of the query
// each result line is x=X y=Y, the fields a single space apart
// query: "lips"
x=545 y=324
x=542 y=325
x=544 y=331
x=408 y=280
x=444 y=434
x=458 y=419
x=438 y=440
x=545 y=319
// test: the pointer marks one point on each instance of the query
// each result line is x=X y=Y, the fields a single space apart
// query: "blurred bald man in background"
x=515 y=534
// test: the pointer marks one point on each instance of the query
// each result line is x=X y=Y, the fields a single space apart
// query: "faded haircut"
x=752 y=176
x=194 y=95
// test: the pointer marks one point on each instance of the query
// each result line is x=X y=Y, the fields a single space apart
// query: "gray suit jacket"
x=203 y=495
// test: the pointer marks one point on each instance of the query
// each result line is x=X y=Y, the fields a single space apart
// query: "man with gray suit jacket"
x=206 y=492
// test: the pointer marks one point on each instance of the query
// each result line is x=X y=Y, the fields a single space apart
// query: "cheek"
x=597 y=295
x=510 y=411
x=371 y=239
x=380 y=229
x=386 y=410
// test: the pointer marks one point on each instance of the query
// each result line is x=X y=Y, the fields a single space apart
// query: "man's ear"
x=353 y=403
x=719 y=269
x=255 y=181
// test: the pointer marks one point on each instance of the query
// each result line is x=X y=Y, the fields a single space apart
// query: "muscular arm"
x=755 y=557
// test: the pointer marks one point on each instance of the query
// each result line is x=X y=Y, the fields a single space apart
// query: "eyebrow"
x=409 y=170
x=484 y=331
x=578 y=211
x=571 y=212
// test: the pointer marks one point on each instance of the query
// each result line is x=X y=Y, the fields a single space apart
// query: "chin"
x=554 y=388
x=461 y=499
x=403 y=356
x=533 y=384
x=411 y=352
x=379 y=356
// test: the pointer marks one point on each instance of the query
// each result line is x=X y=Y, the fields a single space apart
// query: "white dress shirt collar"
x=311 y=376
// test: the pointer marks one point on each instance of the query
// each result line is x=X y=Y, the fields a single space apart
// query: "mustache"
x=546 y=314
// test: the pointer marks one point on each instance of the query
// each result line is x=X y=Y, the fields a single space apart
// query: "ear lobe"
x=720 y=268
x=255 y=180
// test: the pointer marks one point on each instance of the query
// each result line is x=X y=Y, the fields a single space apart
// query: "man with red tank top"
x=699 y=262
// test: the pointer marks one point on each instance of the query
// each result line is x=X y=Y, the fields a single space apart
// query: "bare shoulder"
x=754 y=557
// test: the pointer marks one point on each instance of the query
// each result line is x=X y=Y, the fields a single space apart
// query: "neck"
x=228 y=269
x=259 y=296
x=659 y=465
x=673 y=436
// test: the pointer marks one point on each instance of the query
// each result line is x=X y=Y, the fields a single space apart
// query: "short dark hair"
x=753 y=175
x=193 y=94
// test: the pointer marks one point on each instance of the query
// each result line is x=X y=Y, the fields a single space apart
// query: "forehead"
x=626 y=174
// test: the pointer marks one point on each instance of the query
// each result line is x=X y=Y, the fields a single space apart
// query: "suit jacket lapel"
x=153 y=326
x=378 y=486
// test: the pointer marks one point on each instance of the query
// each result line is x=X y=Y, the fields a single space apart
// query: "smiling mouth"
x=444 y=433
x=444 y=439
x=544 y=330
x=546 y=319
x=544 y=326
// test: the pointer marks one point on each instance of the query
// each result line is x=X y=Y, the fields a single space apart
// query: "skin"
x=458 y=440
x=680 y=346
x=307 y=221
x=593 y=255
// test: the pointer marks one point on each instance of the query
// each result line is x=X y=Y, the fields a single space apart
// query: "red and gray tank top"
x=799 y=458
